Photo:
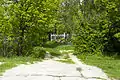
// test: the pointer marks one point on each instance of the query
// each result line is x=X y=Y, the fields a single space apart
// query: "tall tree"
x=69 y=8
x=94 y=32
x=29 y=21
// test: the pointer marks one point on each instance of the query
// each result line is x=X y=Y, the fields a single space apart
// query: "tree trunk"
x=21 y=40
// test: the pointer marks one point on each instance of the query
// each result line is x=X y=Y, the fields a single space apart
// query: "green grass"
x=6 y=66
x=14 y=61
x=53 y=51
x=110 y=65
x=69 y=61
x=56 y=50
x=64 y=47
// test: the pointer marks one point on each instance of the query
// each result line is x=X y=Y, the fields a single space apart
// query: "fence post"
x=64 y=35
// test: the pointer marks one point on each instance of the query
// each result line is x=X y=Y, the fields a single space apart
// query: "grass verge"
x=9 y=63
x=56 y=50
x=14 y=61
x=69 y=61
x=65 y=47
x=110 y=65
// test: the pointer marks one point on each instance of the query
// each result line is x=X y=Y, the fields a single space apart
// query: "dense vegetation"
x=93 y=26
x=97 y=29
x=26 y=24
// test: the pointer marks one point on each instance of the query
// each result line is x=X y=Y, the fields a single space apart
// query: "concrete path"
x=53 y=70
x=88 y=71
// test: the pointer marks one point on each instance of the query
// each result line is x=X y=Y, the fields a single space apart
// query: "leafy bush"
x=97 y=28
x=117 y=35
x=90 y=34
x=61 y=41
x=38 y=52
x=53 y=52
x=51 y=44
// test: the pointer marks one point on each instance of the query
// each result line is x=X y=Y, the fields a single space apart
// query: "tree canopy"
x=25 y=24
x=93 y=24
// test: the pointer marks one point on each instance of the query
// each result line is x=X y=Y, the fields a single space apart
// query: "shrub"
x=53 y=52
x=89 y=40
x=38 y=52
x=97 y=27
x=51 y=44
x=90 y=34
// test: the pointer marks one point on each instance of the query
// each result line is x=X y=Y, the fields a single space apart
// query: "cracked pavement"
x=54 y=70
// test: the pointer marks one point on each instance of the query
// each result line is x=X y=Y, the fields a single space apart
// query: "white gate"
x=55 y=36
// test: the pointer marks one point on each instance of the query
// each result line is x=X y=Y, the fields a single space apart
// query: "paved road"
x=53 y=70
x=46 y=70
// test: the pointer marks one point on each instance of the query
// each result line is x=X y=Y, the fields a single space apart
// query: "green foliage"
x=6 y=66
x=51 y=44
x=90 y=34
x=53 y=51
x=94 y=33
x=62 y=41
x=56 y=50
x=68 y=9
x=14 y=61
x=25 y=24
x=19 y=60
x=38 y=52
x=117 y=35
